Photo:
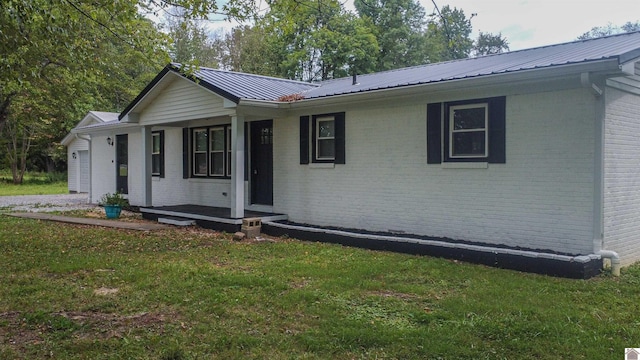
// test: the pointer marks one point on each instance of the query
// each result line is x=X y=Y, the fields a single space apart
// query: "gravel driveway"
x=43 y=203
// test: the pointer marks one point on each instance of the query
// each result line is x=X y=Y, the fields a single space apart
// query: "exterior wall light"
x=73 y=155
x=110 y=141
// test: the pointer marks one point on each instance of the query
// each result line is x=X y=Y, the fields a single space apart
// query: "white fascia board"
x=107 y=127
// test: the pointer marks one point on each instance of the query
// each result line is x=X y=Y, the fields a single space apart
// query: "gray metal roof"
x=237 y=86
x=249 y=86
x=622 y=47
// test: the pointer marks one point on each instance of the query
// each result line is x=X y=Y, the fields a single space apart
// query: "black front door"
x=122 y=163
x=262 y=162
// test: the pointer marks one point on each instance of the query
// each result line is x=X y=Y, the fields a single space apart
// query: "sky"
x=531 y=23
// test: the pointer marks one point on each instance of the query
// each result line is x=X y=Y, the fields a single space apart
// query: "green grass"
x=33 y=184
x=185 y=294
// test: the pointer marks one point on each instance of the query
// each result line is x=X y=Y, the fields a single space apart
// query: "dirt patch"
x=19 y=330
x=105 y=291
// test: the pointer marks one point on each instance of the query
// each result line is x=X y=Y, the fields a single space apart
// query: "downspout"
x=598 y=179
x=87 y=139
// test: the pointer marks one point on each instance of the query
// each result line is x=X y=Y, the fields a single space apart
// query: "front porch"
x=217 y=218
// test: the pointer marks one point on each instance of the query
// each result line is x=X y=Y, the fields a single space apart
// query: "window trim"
x=160 y=154
x=226 y=168
x=485 y=129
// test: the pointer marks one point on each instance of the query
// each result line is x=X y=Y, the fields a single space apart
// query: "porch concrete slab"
x=89 y=221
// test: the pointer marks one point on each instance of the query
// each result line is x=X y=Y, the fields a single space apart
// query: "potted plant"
x=113 y=204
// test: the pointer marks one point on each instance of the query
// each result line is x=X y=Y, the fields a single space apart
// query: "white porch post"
x=237 y=166
x=146 y=142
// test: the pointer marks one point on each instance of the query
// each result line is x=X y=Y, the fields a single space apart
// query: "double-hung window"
x=211 y=151
x=467 y=131
x=200 y=140
x=157 y=153
x=325 y=138
x=217 y=151
x=468 y=135
x=322 y=138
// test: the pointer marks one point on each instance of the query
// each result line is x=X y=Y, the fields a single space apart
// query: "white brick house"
x=526 y=160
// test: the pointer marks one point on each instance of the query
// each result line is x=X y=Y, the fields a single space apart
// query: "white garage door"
x=84 y=171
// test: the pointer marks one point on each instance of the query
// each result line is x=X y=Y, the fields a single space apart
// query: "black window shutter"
x=340 y=157
x=304 y=140
x=162 y=153
x=497 y=120
x=185 y=153
x=434 y=133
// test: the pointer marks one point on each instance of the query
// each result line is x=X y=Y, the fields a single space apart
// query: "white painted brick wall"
x=541 y=198
x=174 y=190
x=622 y=175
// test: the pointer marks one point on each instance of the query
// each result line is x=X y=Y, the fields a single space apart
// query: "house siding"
x=542 y=198
x=73 y=165
x=182 y=100
x=622 y=175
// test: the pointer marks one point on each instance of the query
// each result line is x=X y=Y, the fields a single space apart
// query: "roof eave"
x=609 y=66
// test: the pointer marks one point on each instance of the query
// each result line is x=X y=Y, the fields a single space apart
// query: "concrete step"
x=177 y=221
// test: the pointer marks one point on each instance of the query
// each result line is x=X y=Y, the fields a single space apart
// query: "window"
x=327 y=135
x=217 y=151
x=325 y=138
x=200 y=152
x=157 y=153
x=468 y=134
x=466 y=131
x=211 y=151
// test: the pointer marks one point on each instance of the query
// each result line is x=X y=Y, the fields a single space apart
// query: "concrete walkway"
x=89 y=221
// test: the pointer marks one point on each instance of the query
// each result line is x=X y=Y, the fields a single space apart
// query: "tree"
x=248 y=49
x=399 y=29
x=610 y=29
x=59 y=59
x=448 y=35
x=488 y=44
x=190 y=43
x=318 y=40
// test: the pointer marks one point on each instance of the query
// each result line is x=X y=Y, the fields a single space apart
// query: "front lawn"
x=34 y=184
x=78 y=292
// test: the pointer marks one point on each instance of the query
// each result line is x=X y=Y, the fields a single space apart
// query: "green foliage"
x=114 y=199
x=488 y=44
x=610 y=29
x=448 y=35
x=399 y=28
x=197 y=294
x=190 y=42
x=317 y=40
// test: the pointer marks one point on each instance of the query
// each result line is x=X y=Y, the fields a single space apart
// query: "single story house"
x=526 y=160
x=78 y=162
